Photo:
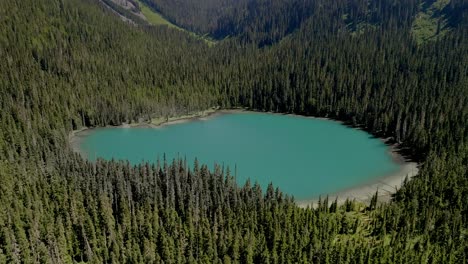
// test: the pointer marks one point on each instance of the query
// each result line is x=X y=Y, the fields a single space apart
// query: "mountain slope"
x=68 y=64
x=267 y=22
x=431 y=21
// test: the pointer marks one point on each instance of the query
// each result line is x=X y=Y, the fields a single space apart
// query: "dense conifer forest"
x=66 y=64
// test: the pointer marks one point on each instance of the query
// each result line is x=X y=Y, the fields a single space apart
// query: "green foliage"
x=268 y=22
x=430 y=22
x=155 y=18
x=72 y=63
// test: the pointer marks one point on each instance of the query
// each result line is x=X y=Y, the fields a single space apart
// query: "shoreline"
x=387 y=184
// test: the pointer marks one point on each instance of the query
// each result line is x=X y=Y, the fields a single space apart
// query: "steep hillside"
x=138 y=13
x=69 y=64
x=267 y=22
x=134 y=11
x=431 y=22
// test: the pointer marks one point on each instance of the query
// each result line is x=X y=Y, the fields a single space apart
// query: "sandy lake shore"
x=386 y=185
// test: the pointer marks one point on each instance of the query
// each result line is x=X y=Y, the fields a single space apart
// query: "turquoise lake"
x=302 y=156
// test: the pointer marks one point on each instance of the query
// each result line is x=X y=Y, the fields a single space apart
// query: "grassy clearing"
x=155 y=18
x=430 y=22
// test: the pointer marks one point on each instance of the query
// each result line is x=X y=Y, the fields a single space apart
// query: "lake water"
x=305 y=157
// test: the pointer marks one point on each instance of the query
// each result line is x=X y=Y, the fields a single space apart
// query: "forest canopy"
x=67 y=64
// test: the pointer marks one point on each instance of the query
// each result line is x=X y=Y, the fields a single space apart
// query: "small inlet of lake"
x=304 y=157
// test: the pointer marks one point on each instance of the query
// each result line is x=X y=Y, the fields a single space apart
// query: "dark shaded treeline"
x=71 y=63
x=266 y=22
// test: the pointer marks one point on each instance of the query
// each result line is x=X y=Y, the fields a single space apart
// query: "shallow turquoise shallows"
x=304 y=157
